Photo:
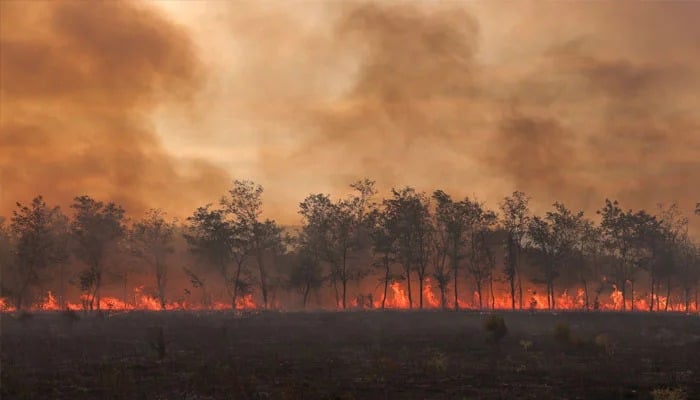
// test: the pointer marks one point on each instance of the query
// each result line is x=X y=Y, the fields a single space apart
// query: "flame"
x=397 y=298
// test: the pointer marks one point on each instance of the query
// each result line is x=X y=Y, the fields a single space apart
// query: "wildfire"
x=397 y=298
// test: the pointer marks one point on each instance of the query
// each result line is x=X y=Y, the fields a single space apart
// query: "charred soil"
x=349 y=355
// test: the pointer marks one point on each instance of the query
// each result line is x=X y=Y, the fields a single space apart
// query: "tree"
x=243 y=204
x=152 y=240
x=671 y=233
x=96 y=229
x=38 y=231
x=336 y=232
x=212 y=238
x=515 y=221
x=480 y=257
x=590 y=249
x=624 y=241
x=452 y=224
x=306 y=273
x=555 y=237
x=409 y=222
x=383 y=247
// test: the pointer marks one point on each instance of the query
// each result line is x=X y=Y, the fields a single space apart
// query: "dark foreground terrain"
x=350 y=355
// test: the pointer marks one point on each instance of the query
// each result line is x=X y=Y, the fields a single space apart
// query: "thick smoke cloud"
x=565 y=101
x=78 y=82
x=600 y=104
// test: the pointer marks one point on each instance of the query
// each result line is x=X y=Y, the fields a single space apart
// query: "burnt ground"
x=349 y=355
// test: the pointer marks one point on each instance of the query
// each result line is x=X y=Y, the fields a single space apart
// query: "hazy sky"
x=163 y=103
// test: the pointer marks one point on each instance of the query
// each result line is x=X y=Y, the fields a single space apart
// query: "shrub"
x=605 y=342
x=525 y=344
x=562 y=333
x=669 y=394
x=495 y=327
x=156 y=339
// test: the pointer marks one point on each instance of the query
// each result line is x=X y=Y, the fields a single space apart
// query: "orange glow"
x=397 y=298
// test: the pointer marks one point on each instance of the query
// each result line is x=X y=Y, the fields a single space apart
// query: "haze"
x=162 y=104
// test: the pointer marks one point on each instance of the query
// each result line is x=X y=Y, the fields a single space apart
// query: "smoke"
x=78 y=84
x=565 y=101
x=597 y=102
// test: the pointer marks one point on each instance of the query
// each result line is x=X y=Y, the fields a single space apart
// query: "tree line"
x=410 y=237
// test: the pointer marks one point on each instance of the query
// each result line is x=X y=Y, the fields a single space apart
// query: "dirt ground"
x=349 y=355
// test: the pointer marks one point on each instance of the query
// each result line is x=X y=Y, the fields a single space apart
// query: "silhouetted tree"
x=335 y=232
x=673 y=230
x=480 y=257
x=621 y=232
x=409 y=221
x=452 y=225
x=39 y=232
x=515 y=221
x=210 y=237
x=152 y=240
x=96 y=229
x=555 y=237
x=306 y=273
x=383 y=247
x=244 y=205
x=588 y=258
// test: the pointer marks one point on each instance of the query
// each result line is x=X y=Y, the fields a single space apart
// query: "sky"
x=164 y=103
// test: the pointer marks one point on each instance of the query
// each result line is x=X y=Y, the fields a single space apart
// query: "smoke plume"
x=79 y=82
x=565 y=101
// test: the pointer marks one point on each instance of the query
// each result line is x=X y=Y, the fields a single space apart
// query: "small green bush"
x=495 y=327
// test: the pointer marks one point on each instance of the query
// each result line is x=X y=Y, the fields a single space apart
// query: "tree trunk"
x=585 y=294
x=408 y=285
x=344 y=277
x=493 y=298
x=651 y=302
x=386 y=280
x=125 y=290
x=236 y=283
x=632 y=294
x=345 y=284
x=420 y=291
x=668 y=292
x=337 y=294
x=306 y=295
x=96 y=294
x=624 y=297
x=512 y=291
x=517 y=273
x=62 y=287
x=263 y=279
x=478 y=291
x=454 y=269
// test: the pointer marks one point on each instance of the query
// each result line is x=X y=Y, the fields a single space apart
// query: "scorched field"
x=350 y=355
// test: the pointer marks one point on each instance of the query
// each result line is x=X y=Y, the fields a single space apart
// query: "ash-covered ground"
x=350 y=355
